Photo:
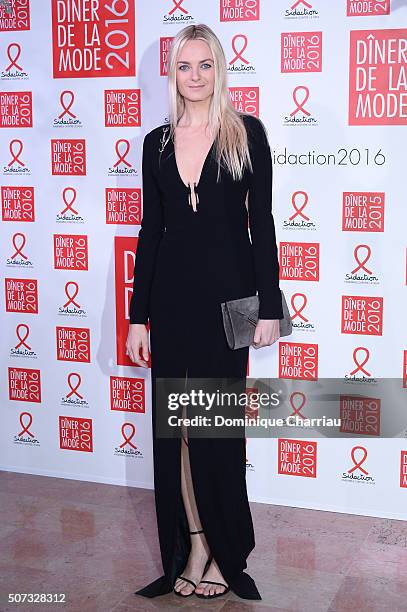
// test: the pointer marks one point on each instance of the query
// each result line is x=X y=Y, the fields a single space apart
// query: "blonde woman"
x=207 y=180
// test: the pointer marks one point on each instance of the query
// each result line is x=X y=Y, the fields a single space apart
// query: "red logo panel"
x=21 y=295
x=363 y=211
x=17 y=204
x=16 y=109
x=68 y=157
x=360 y=415
x=127 y=394
x=239 y=10
x=125 y=250
x=123 y=206
x=95 y=40
x=301 y=51
x=297 y=457
x=362 y=314
x=298 y=360
x=165 y=43
x=122 y=108
x=24 y=384
x=245 y=99
x=356 y=8
x=403 y=469
x=70 y=252
x=16 y=19
x=377 y=77
x=299 y=261
x=75 y=434
x=73 y=344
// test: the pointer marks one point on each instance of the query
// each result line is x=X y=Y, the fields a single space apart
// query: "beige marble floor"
x=98 y=544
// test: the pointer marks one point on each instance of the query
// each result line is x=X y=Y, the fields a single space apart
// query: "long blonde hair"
x=225 y=122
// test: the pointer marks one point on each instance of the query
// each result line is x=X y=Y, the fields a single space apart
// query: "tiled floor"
x=98 y=544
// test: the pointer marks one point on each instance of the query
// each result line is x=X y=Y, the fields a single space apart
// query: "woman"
x=205 y=175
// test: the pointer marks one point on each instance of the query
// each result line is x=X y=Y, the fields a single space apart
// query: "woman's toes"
x=183 y=587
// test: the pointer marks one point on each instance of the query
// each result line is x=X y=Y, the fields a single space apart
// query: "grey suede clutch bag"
x=240 y=319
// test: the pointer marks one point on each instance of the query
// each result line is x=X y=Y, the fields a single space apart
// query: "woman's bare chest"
x=191 y=151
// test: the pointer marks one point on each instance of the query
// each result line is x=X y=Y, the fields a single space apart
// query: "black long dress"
x=186 y=264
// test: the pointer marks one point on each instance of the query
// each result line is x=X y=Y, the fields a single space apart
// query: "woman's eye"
x=205 y=65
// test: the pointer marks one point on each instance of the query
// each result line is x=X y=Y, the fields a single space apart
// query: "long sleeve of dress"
x=261 y=223
x=149 y=237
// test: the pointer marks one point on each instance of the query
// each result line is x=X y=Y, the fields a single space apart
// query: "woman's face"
x=195 y=70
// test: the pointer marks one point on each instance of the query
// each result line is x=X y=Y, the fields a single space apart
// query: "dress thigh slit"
x=218 y=465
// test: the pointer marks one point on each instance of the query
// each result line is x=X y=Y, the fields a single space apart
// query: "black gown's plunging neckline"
x=186 y=265
x=208 y=155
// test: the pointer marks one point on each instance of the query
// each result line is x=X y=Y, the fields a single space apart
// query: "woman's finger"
x=145 y=348
x=257 y=334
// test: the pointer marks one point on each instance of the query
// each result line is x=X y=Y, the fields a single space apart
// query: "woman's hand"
x=136 y=338
x=267 y=332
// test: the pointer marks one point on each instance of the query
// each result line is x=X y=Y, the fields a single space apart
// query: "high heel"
x=187 y=579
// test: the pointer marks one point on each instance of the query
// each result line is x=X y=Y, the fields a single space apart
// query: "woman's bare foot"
x=195 y=566
x=213 y=573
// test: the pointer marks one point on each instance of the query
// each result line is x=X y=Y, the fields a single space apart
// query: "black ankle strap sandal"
x=202 y=596
x=183 y=594
x=187 y=579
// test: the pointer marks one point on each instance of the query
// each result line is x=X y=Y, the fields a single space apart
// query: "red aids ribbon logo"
x=74 y=389
x=239 y=54
x=25 y=427
x=66 y=106
x=71 y=299
x=15 y=156
x=19 y=249
x=69 y=200
x=127 y=439
x=358 y=364
x=177 y=5
x=298 y=211
x=298 y=311
x=22 y=340
x=121 y=158
x=13 y=57
x=302 y=400
x=300 y=105
x=358 y=464
x=361 y=263
x=306 y=4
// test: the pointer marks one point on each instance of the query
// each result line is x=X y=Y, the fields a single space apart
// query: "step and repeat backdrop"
x=82 y=82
